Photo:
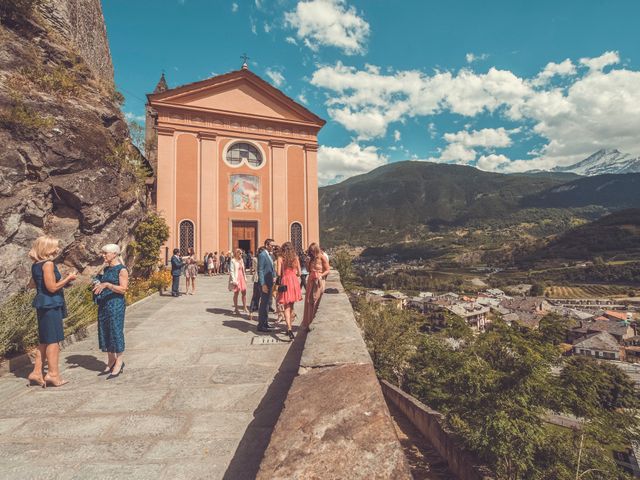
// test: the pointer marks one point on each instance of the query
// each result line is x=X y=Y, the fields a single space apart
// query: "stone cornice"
x=207 y=136
x=165 y=130
x=276 y=143
x=311 y=147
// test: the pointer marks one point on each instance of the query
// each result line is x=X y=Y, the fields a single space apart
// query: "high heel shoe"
x=54 y=383
x=34 y=380
x=117 y=374
x=290 y=335
x=108 y=370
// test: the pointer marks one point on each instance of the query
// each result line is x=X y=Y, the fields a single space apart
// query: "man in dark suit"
x=266 y=275
x=176 y=270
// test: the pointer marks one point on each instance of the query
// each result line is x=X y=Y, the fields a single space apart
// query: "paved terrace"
x=198 y=399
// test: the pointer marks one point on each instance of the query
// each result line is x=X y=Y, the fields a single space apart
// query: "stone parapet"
x=431 y=425
x=335 y=423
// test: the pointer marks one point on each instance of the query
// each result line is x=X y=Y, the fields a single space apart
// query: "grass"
x=24 y=120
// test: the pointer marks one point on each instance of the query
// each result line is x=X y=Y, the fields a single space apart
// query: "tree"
x=149 y=236
x=343 y=262
x=390 y=335
x=137 y=134
x=590 y=387
x=537 y=290
x=553 y=328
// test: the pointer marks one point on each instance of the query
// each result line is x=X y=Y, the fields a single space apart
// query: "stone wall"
x=335 y=423
x=431 y=425
x=81 y=23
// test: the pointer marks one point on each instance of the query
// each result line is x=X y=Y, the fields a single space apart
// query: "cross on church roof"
x=245 y=65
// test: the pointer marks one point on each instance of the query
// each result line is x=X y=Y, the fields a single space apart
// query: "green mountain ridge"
x=614 y=235
x=408 y=200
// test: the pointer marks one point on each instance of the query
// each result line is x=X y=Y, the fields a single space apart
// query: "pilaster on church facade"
x=236 y=163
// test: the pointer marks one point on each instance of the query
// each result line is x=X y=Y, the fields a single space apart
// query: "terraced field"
x=586 y=291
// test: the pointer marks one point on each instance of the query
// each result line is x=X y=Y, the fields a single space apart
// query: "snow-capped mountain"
x=604 y=161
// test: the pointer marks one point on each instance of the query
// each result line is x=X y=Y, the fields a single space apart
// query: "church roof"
x=243 y=74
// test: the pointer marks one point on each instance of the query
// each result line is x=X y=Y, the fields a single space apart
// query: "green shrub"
x=149 y=236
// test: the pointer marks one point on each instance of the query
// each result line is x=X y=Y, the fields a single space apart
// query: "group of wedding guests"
x=280 y=274
x=108 y=287
x=277 y=273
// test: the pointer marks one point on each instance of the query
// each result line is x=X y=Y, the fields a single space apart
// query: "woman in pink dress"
x=288 y=270
x=238 y=281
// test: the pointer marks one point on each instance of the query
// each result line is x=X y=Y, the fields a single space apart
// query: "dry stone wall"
x=81 y=23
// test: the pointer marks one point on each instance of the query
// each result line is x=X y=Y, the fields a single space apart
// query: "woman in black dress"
x=50 y=309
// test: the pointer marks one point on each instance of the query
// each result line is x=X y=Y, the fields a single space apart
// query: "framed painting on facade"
x=244 y=192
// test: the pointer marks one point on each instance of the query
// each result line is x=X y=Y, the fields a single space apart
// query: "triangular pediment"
x=243 y=93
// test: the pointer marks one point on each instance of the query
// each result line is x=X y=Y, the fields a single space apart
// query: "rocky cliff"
x=66 y=164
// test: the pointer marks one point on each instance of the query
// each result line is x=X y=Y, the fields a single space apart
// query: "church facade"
x=235 y=162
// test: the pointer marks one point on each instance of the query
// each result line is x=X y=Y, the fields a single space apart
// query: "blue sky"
x=502 y=85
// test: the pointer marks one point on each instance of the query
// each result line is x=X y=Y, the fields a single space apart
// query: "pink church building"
x=235 y=162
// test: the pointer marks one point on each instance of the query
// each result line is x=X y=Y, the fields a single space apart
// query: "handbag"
x=281 y=288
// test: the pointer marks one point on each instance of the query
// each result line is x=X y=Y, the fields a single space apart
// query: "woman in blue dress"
x=110 y=287
x=50 y=309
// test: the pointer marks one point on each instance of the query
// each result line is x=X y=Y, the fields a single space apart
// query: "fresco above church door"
x=244 y=192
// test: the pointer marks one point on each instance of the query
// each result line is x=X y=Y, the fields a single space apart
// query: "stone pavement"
x=199 y=397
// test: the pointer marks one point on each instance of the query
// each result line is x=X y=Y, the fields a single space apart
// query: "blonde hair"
x=44 y=248
x=237 y=253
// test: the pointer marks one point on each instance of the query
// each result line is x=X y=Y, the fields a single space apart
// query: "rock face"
x=65 y=157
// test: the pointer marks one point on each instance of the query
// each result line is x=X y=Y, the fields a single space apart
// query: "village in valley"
x=604 y=328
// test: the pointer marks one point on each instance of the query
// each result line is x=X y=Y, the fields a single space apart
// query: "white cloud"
x=487 y=137
x=562 y=69
x=456 y=153
x=234 y=7
x=133 y=117
x=368 y=101
x=472 y=57
x=432 y=130
x=275 y=76
x=254 y=27
x=397 y=135
x=329 y=23
x=337 y=163
x=267 y=28
x=491 y=162
x=462 y=145
x=302 y=98
x=592 y=109
x=291 y=40
x=604 y=60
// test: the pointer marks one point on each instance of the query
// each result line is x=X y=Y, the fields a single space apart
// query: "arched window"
x=187 y=236
x=239 y=152
x=296 y=236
